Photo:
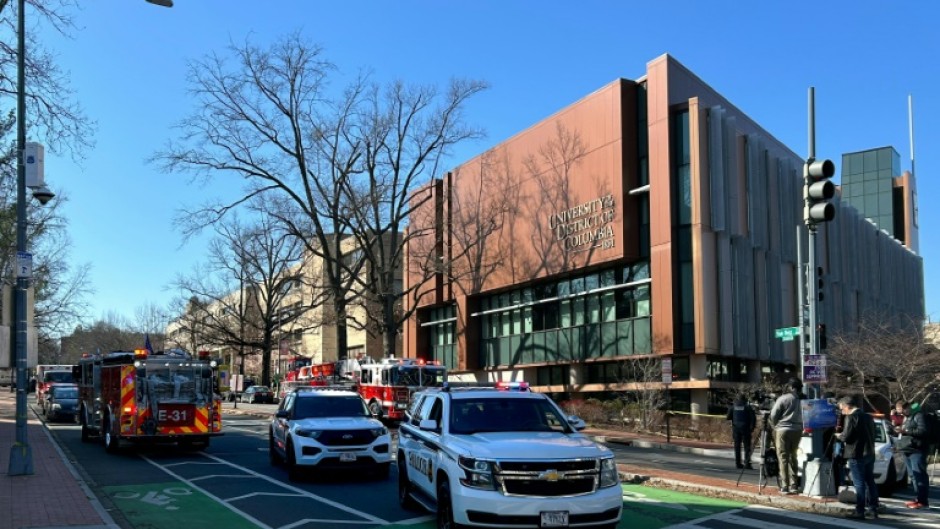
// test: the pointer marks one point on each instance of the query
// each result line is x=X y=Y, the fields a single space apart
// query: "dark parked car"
x=61 y=403
x=258 y=394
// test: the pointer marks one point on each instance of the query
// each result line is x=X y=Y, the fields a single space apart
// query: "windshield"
x=58 y=377
x=65 y=393
x=469 y=416
x=419 y=376
x=161 y=381
x=323 y=407
x=260 y=389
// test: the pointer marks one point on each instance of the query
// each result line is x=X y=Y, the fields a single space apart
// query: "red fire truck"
x=387 y=385
x=161 y=397
x=303 y=373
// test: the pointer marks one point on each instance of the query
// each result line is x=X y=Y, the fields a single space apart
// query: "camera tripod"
x=765 y=441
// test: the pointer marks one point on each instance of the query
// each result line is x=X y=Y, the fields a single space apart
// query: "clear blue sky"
x=128 y=64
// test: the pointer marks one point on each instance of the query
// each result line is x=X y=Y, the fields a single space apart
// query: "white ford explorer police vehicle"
x=327 y=428
x=488 y=458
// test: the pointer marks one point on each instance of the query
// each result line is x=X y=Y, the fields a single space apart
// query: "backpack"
x=771 y=463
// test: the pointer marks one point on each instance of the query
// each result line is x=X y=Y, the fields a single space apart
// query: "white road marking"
x=298 y=491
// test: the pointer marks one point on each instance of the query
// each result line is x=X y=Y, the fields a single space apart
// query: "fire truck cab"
x=138 y=397
x=388 y=385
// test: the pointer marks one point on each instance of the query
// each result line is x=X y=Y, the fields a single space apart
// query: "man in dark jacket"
x=913 y=444
x=858 y=434
x=743 y=420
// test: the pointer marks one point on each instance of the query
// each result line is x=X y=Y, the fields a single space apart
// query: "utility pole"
x=818 y=190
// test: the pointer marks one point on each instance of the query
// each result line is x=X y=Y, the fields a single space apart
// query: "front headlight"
x=306 y=432
x=379 y=432
x=478 y=474
x=609 y=475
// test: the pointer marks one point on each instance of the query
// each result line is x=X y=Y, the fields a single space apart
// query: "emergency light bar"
x=512 y=386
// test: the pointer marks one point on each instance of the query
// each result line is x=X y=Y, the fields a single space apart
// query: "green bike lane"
x=170 y=504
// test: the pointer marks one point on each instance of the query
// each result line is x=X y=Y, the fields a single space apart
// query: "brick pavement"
x=54 y=496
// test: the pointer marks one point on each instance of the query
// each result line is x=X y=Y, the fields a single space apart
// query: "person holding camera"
x=858 y=434
x=743 y=420
x=786 y=418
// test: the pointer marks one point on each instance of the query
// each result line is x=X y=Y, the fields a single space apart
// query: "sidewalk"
x=54 y=496
x=745 y=490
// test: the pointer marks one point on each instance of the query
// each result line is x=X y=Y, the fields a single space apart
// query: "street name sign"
x=787 y=334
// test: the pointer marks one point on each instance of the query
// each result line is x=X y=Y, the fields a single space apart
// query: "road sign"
x=815 y=369
x=815 y=360
x=24 y=265
x=787 y=334
x=667 y=370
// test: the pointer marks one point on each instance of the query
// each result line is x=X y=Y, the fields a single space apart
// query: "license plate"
x=347 y=457
x=176 y=414
x=554 y=519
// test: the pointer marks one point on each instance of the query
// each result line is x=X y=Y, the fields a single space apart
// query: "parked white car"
x=890 y=468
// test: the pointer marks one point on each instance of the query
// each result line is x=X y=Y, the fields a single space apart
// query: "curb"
x=724 y=453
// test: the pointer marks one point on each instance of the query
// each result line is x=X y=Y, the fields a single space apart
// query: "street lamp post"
x=21 y=454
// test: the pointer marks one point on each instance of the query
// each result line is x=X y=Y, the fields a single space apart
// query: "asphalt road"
x=232 y=484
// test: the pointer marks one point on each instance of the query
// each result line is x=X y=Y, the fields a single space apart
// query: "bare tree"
x=58 y=121
x=403 y=132
x=642 y=388
x=887 y=359
x=243 y=288
x=110 y=333
x=55 y=117
x=334 y=167
x=151 y=320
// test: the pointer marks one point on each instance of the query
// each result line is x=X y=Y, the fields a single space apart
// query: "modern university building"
x=652 y=218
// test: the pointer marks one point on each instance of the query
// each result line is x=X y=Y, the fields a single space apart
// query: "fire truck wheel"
x=404 y=486
x=111 y=442
x=86 y=432
x=375 y=409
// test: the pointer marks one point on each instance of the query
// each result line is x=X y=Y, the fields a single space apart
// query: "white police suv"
x=327 y=428
x=487 y=457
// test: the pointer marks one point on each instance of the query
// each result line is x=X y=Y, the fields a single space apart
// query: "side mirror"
x=576 y=422
x=282 y=414
x=429 y=425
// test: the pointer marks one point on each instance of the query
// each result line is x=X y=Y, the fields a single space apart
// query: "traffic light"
x=820 y=295
x=817 y=190
x=821 y=335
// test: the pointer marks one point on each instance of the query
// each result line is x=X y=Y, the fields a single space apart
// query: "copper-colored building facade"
x=652 y=217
